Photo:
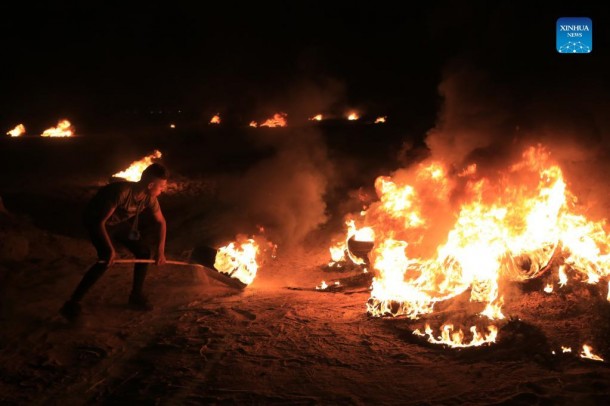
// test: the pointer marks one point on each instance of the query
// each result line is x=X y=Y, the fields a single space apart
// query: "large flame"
x=238 y=260
x=64 y=129
x=18 y=131
x=215 y=119
x=441 y=233
x=278 y=120
x=134 y=171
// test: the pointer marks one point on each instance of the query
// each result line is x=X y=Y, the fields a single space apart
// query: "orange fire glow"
x=317 y=117
x=215 y=119
x=64 y=129
x=380 y=119
x=353 y=116
x=134 y=172
x=278 y=120
x=253 y=124
x=18 y=131
x=429 y=248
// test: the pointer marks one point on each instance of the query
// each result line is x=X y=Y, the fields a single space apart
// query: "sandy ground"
x=279 y=341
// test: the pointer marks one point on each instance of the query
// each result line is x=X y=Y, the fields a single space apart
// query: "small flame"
x=455 y=339
x=493 y=310
x=134 y=172
x=63 y=129
x=278 y=120
x=565 y=349
x=215 y=119
x=469 y=170
x=548 y=288
x=317 y=117
x=608 y=296
x=563 y=278
x=18 y=131
x=172 y=126
x=380 y=119
x=587 y=352
x=337 y=252
x=322 y=286
x=353 y=116
x=253 y=124
x=239 y=260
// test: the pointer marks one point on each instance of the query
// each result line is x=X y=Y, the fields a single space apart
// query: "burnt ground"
x=279 y=341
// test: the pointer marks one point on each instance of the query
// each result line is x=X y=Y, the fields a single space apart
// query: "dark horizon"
x=92 y=62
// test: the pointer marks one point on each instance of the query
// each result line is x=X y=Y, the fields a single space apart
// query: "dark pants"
x=118 y=235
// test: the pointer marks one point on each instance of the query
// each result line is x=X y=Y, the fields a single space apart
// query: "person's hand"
x=161 y=259
x=111 y=257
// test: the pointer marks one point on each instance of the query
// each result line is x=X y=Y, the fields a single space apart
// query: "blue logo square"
x=574 y=35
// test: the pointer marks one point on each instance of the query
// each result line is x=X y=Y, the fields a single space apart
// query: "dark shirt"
x=121 y=196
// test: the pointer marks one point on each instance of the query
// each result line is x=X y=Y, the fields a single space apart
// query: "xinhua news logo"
x=574 y=35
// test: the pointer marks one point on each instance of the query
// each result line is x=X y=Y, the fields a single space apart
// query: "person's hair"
x=153 y=172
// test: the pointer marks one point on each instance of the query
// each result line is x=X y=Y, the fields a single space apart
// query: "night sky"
x=97 y=60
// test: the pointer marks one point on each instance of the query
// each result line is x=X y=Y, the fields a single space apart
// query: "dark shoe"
x=70 y=310
x=139 y=302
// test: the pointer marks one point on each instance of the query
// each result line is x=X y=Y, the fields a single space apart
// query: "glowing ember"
x=380 y=119
x=253 y=124
x=17 y=131
x=63 y=129
x=548 y=288
x=587 y=352
x=239 y=260
x=215 y=119
x=278 y=120
x=134 y=172
x=317 y=117
x=455 y=338
x=353 y=116
x=565 y=349
x=322 y=286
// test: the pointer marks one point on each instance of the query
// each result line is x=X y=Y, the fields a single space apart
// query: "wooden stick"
x=215 y=274
x=151 y=261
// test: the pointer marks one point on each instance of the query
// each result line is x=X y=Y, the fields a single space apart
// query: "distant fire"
x=353 y=116
x=18 y=131
x=587 y=352
x=63 y=129
x=215 y=119
x=278 y=120
x=134 y=172
x=317 y=117
x=504 y=229
x=380 y=119
x=253 y=124
x=172 y=126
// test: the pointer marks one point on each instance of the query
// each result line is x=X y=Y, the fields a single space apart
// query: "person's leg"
x=71 y=309
x=141 y=250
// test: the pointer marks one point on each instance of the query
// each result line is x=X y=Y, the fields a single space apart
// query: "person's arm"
x=158 y=215
x=104 y=233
